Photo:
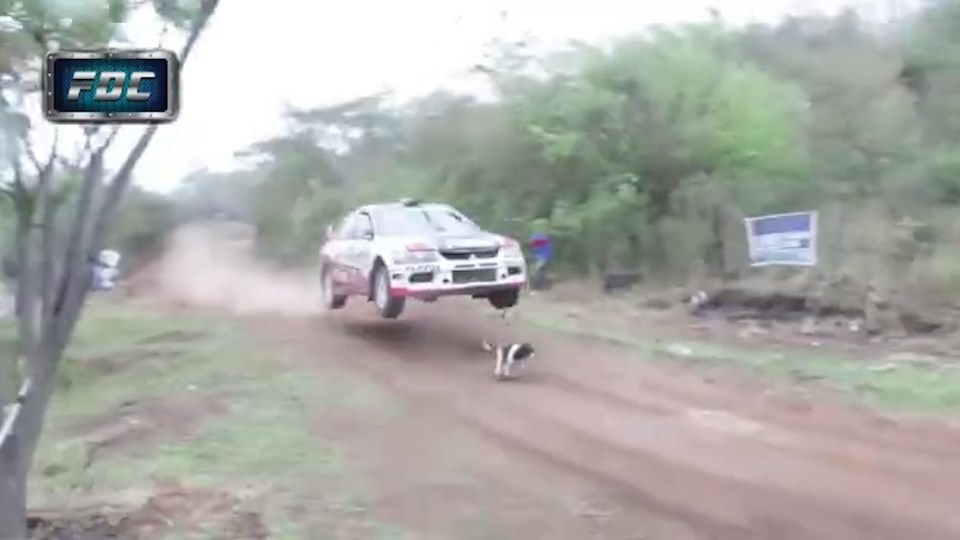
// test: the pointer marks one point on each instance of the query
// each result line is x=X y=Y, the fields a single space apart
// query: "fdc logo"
x=112 y=86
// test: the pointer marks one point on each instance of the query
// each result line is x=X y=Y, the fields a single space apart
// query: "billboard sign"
x=783 y=239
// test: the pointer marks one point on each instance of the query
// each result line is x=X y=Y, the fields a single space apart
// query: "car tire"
x=504 y=298
x=390 y=307
x=330 y=300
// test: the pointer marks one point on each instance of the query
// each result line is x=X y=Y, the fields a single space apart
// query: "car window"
x=362 y=224
x=426 y=220
x=342 y=227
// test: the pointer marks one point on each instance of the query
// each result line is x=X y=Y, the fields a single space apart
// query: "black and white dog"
x=509 y=356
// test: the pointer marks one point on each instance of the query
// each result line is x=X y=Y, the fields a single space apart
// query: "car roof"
x=398 y=206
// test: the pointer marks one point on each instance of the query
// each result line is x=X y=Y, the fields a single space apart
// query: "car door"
x=336 y=252
x=361 y=252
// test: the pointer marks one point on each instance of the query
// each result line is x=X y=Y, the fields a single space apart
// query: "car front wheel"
x=504 y=298
x=390 y=307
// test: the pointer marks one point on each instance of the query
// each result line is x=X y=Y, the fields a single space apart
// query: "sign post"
x=783 y=239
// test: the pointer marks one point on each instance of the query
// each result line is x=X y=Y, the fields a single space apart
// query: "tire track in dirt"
x=834 y=443
x=625 y=428
x=732 y=487
x=625 y=376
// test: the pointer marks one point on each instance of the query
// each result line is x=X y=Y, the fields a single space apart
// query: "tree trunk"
x=48 y=311
x=838 y=234
x=716 y=246
x=13 y=497
x=658 y=259
x=24 y=278
x=16 y=455
x=635 y=250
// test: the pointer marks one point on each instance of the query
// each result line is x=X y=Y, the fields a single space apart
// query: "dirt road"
x=662 y=452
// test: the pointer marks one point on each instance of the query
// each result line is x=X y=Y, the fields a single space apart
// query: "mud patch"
x=217 y=514
x=187 y=509
x=93 y=526
x=837 y=304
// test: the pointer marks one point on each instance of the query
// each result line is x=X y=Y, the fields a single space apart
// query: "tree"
x=646 y=152
x=53 y=281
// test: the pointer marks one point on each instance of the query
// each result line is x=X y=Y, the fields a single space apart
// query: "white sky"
x=308 y=52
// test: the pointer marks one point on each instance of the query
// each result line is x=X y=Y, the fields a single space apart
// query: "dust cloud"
x=211 y=266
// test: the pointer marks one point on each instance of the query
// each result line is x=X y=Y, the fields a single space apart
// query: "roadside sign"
x=783 y=239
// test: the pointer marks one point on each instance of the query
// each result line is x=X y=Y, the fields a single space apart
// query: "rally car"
x=389 y=252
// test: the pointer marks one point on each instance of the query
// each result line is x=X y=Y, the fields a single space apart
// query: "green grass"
x=263 y=443
x=903 y=387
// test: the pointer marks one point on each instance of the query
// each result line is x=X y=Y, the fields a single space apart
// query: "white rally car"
x=389 y=252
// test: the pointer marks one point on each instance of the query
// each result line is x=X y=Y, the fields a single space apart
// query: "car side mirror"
x=367 y=235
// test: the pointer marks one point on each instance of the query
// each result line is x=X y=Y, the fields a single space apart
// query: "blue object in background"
x=783 y=239
x=541 y=247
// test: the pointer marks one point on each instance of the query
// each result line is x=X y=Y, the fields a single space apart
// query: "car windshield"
x=422 y=220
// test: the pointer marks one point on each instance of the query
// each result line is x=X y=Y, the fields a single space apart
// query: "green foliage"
x=647 y=152
x=943 y=174
x=597 y=153
x=142 y=223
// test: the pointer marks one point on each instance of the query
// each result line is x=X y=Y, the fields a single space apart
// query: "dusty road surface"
x=592 y=442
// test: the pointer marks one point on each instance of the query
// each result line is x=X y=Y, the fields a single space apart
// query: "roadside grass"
x=874 y=382
x=256 y=445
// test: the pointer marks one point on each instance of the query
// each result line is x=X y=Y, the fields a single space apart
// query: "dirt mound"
x=93 y=526
x=173 y=507
x=842 y=302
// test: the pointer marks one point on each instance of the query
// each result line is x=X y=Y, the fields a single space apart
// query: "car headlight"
x=511 y=249
x=414 y=256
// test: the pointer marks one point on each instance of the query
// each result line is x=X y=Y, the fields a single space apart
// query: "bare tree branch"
x=75 y=285
x=109 y=140
x=163 y=34
x=43 y=216
x=121 y=180
x=23 y=208
x=59 y=315
x=28 y=148
x=53 y=149
x=73 y=260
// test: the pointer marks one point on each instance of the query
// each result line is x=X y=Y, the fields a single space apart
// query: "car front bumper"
x=445 y=278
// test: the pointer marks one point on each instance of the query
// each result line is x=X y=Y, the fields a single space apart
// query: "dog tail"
x=487 y=346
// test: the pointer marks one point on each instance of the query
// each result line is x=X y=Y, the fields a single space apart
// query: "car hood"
x=479 y=241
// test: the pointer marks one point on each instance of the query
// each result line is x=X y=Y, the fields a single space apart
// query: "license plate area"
x=423 y=269
x=479 y=275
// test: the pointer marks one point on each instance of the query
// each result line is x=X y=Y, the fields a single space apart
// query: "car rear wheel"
x=504 y=298
x=330 y=300
x=390 y=307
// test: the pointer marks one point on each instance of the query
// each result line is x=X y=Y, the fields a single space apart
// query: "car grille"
x=475 y=276
x=465 y=255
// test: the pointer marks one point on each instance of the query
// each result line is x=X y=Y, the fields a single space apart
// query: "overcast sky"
x=314 y=53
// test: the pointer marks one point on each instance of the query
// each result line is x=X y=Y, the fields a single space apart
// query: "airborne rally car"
x=393 y=251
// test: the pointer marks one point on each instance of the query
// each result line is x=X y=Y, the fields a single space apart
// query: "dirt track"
x=664 y=451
